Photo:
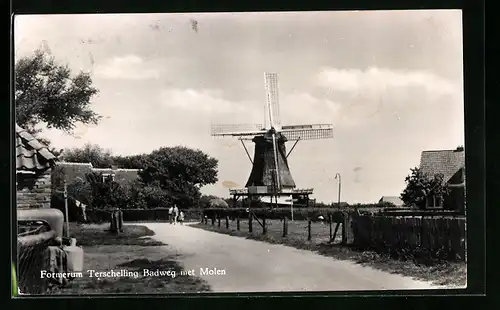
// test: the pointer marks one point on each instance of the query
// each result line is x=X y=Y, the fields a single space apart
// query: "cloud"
x=381 y=79
x=302 y=108
x=207 y=101
x=130 y=67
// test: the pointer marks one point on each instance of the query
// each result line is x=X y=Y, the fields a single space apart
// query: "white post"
x=291 y=207
x=66 y=207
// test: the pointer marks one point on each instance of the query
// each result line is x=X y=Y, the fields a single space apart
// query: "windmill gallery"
x=270 y=179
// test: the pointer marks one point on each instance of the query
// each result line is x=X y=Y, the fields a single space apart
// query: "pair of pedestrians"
x=175 y=216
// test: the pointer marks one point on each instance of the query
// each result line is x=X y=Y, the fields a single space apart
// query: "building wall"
x=34 y=190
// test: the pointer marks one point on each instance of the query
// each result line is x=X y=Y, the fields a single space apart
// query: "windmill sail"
x=237 y=130
x=271 y=84
x=270 y=166
x=308 y=132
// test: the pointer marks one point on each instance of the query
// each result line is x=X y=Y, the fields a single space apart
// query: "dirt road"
x=252 y=266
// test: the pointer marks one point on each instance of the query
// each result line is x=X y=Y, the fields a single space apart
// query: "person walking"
x=176 y=214
x=170 y=214
x=181 y=218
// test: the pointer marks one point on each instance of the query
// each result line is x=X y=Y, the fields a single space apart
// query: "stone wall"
x=34 y=190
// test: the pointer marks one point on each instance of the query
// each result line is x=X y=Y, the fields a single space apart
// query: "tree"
x=46 y=92
x=218 y=203
x=419 y=186
x=106 y=193
x=130 y=162
x=180 y=172
x=150 y=197
x=89 y=153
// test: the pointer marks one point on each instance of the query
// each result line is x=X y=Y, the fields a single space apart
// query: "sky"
x=390 y=82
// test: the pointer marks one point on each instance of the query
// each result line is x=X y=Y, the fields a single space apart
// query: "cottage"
x=34 y=164
x=451 y=164
x=78 y=171
x=395 y=200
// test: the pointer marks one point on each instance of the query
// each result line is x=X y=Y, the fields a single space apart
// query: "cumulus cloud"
x=304 y=108
x=209 y=102
x=369 y=96
x=380 y=79
x=129 y=67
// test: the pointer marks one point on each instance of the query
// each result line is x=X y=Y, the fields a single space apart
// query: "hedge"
x=139 y=215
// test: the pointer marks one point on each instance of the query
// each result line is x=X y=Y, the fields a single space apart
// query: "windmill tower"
x=270 y=175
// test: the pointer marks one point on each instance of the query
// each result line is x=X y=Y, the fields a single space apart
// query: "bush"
x=149 y=197
x=218 y=203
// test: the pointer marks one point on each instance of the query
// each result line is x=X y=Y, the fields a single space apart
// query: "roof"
x=392 y=199
x=73 y=171
x=122 y=176
x=31 y=154
x=80 y=170
x=446 y=162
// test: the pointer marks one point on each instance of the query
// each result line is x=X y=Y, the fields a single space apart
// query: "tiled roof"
x=80 y=170
x=446 y=162
x=30 y=153
x=122 y=176
x=73 y=171
x=392 y=199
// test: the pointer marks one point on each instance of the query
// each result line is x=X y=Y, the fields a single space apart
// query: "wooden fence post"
x=309 y=230
x=238 y=223
x=113 y=227
x=227 y=222
x=120 y=220
x=250 y=228
x=330 y=224
x=285 y=226
x=264 y=227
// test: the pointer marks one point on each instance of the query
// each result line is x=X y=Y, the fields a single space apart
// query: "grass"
x=133 y=250
x=440 y=273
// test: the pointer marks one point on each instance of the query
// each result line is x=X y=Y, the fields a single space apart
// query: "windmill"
x=270 y=175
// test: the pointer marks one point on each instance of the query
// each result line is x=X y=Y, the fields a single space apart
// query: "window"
x=434 y=202
x=108 y=177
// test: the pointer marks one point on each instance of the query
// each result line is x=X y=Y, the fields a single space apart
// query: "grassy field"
x=441 y=273
x=132 y=250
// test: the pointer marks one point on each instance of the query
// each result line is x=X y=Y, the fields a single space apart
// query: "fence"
x=139 y=215
x=431 y=236
x=315 y=229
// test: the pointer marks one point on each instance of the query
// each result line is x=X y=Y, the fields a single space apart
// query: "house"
x=395 y=200
x=119 y=175
x=34 y=164
x=451 y=164
x=75 y=171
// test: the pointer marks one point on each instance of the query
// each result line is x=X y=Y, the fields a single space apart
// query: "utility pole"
x=338 y=177
x=66 y=207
